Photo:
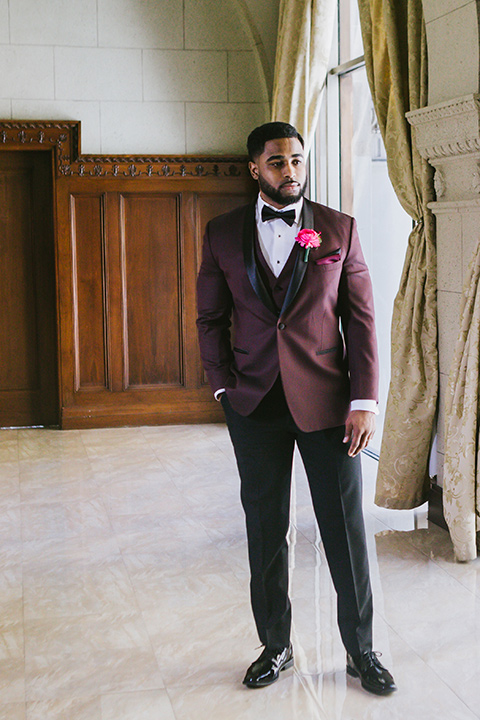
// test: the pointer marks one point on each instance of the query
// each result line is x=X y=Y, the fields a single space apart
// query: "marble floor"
x=123 y=591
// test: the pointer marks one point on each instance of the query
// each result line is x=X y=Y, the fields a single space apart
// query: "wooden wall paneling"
x=128 y=247
x=211 y=204
x=28 y=374
x=90 y=316
x=152 y=289
x=113 y=291
x=46 y=287
x=64 y=272
x=85 y=237
x=193 y=366
x=17 y=291
x=152 y=236
x=151 y=233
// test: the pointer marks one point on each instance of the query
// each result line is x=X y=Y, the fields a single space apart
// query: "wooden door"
x=28 y=357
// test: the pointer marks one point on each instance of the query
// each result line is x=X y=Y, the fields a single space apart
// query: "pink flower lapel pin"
x=308 y=239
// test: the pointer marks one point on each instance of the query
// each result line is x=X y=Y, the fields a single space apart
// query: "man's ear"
x=253 y=170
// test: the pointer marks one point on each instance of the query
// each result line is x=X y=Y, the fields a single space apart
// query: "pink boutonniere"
x=308 y=239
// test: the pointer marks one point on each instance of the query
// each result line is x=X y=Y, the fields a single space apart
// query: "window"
x=350 y=174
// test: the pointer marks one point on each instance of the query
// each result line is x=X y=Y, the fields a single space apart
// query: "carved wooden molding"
x=154 y=166
x=63 y=137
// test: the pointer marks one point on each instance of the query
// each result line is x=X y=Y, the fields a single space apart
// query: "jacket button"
x=282 y=326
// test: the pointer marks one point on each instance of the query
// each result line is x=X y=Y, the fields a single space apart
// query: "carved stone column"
x=448 y=136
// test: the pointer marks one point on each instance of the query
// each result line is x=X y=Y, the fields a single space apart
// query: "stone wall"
x=143 y=76
x=448 y=135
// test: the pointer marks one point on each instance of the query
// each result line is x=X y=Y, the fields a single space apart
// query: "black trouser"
x=264 y=443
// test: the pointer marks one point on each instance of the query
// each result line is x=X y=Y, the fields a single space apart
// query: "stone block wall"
x=143 y=76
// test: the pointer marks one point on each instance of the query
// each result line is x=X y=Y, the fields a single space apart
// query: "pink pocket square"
x=328 y=259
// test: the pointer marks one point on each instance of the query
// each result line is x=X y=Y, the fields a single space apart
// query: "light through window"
x=351 y=175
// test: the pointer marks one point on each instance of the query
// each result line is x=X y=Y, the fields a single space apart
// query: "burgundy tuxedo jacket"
x=322 y=340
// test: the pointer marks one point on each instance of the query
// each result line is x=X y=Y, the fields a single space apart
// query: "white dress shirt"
x=276 y=239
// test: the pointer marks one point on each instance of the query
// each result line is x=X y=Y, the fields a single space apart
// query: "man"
x=302 y=368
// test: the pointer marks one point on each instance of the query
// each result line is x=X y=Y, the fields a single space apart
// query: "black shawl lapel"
x=249 y=230
x=300 y=266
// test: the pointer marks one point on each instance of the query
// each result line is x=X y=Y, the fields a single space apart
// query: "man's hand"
x=359 y=430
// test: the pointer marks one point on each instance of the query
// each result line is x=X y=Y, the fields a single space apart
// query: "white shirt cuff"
x=370 y=405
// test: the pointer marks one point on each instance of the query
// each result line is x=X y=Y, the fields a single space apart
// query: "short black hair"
x=270 y=131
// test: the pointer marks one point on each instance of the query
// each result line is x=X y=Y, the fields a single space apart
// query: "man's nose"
x=289 y=171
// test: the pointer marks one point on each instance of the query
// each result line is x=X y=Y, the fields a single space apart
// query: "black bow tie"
x=269 y=214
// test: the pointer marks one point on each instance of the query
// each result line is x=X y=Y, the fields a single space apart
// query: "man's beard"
x=276 y=194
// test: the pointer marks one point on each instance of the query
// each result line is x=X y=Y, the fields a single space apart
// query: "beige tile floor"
x=123 y=591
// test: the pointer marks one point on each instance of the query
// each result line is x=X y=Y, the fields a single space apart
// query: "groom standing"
x=299 y=367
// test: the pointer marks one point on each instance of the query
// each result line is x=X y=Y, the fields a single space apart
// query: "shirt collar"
x=298 y=206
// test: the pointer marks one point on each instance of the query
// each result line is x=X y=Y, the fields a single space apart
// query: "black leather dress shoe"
x=267 y=668
x=375 y=678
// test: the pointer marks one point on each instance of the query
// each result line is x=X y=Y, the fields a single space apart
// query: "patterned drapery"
x=305 y=33
x=396 y=59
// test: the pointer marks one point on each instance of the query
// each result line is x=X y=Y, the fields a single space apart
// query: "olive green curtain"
x=396 y=60
x=461 y=501
x=305 y=34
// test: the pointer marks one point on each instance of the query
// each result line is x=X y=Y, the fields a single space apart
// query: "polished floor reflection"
x=124 y=591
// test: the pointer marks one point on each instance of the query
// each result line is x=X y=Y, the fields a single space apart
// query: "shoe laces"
x=370 y=659
x=280 y=657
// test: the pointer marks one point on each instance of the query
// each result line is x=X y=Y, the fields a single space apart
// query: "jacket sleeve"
x=358 y=322
x=214 y=303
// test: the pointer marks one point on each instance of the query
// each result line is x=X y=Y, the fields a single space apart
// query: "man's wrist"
x=365 y=405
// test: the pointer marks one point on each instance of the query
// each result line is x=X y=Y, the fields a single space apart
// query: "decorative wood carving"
x=64 y=138
x=154 y=167
x=128 y=246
